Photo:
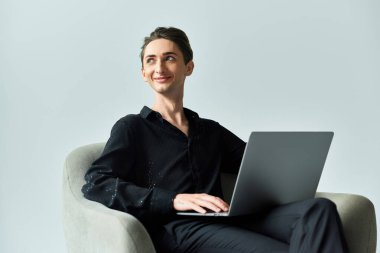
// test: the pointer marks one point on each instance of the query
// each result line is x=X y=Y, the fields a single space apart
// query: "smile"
x=162 y=79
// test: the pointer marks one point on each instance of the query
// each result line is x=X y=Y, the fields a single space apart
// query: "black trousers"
x=307 y=226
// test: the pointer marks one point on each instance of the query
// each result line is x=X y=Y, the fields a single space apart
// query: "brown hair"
x=173 y=34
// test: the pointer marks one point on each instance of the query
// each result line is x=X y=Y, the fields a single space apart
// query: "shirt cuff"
x=162 y=202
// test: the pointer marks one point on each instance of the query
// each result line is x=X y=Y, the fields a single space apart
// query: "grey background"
x=69 y=69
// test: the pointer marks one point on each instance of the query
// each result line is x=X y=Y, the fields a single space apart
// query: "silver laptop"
x=277 y=168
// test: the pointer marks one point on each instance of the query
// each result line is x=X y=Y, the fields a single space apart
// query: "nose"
x=160 y=67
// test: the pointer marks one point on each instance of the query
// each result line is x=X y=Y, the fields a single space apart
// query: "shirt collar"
x=147 y=113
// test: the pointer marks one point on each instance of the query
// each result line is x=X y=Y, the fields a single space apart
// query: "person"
x=167 y=159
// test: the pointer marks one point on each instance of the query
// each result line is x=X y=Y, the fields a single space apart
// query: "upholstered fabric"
x=359 y=220
x=92 y=227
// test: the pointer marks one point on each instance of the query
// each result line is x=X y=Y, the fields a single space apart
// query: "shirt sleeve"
x=107 y=180
x=232 y=149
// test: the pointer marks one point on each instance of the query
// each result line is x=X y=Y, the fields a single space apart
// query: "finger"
x=216 y=201
x=207 y=204
x=197 y=208
x=222 y=204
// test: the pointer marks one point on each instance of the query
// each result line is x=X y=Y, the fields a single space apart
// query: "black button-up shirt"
x=147 y=161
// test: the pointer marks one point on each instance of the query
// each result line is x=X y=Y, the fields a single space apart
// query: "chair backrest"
x=76 y=165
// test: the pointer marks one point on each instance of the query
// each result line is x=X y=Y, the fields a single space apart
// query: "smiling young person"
x=167 y=159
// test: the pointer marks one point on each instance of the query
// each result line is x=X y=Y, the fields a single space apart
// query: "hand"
x=198 y=203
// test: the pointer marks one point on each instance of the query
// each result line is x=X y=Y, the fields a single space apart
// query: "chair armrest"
x=96 y=228
x=358 y=217
x=92 y=227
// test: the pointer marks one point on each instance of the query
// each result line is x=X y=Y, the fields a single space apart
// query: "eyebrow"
x=166 y=53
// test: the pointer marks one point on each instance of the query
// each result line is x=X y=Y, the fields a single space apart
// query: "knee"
x=325 y=203
x=325 y=206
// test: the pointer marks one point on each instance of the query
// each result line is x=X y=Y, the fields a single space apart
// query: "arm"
x=108 y=179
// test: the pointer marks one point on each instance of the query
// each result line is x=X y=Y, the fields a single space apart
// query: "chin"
x=161 y=87
x=160 y=90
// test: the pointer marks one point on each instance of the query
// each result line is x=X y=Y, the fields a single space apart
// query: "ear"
x=143 y=74
x=189 y=68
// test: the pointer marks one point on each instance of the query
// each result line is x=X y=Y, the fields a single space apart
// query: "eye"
x=149 y=60
x=170 y=58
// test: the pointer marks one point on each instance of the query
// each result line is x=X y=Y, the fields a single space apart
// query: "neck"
x=170 y=109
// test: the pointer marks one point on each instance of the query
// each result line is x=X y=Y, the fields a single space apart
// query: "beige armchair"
x=92 y=227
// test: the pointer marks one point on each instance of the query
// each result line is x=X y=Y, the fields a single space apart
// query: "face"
x=164 y=67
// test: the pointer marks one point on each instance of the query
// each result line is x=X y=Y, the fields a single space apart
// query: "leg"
x=307 y=226
x=205 y=235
